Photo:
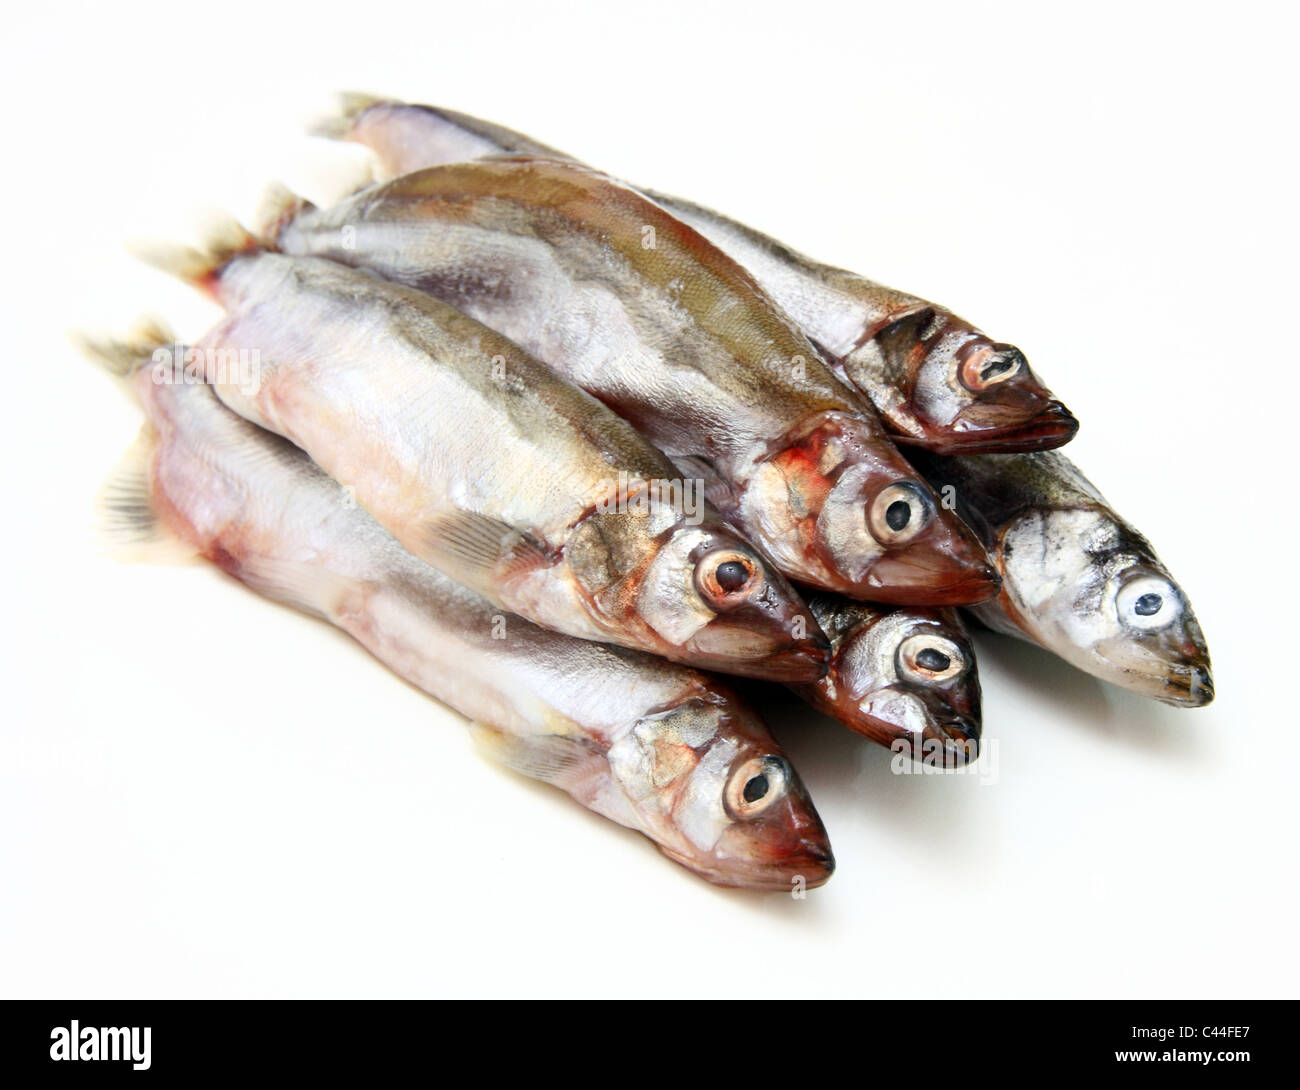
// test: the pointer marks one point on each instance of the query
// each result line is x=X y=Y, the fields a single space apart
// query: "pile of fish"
x=551 y=447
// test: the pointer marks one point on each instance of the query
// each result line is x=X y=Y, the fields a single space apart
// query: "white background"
x=204 y=794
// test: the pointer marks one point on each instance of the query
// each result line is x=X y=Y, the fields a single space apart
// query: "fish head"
x=953 y=389
x=841 y=509
x=1088 y=586
x=721 y=797
x=903 y=674
x=708 y=597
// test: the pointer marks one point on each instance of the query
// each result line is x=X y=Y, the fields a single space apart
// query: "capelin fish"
x=900 y=675
x=639 y=310
x=937 y=381
x=658 y=748
x=1076 y=578
x=482 y=462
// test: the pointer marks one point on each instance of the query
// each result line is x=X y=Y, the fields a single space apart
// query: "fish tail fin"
x=280 y=206
x=126 y=522
x=127 y=525
x=125 y=355
x=342 y=122
x=224 y=240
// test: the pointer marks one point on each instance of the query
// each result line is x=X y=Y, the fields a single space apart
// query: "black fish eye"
x=756 y=788
x=930 y=659
x=1148 y=605
x=898 y=514
x=732 y=575
x=997 y=366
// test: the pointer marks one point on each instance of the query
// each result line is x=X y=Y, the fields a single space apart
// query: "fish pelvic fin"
x=306 y=585
x=224 y=239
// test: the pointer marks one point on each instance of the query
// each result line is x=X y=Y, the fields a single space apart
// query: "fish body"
x=1076 y=577
x=482 y=462
x=938 y=381
x=651 y=745
x=905 y=678
x=629 y=304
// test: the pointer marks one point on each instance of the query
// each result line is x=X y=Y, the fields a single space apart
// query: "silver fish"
x=937 y=381
x=905 y=675
x=624 y=301
x=482 y=462
x=1076 y=577
x=658 y=748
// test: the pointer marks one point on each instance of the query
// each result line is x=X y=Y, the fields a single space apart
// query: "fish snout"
x=1192 y=687
x=808 y=662
x=813 y=863
x=1051 y=426
x=1010 y=411
x=804 y=862
x=785 y=850
x=960 y=739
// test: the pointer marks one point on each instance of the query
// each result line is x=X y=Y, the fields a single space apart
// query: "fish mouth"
x=808 y=865
x=945 y=745
x=953 y=737
x=901 y=582
x=960 y=739
x=1052 y=427
x=1182 y=683
x=1189 y=687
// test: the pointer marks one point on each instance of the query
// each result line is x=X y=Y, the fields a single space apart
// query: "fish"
x=903 y=677
x=642 y=312
x=1077 y=578
x=938 y=382
x=659 y=748
x=485 y=464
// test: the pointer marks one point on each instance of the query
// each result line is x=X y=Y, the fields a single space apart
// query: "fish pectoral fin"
x=719 y=493
x=470 y=545
x=127 y=524
x=556 y=759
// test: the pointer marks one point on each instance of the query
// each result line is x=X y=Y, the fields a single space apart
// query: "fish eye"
x=1148 y=602
x=927 y=658
x=918 y=324
x=899 y=513
x=756 y=785
x=727 y=577
x=732 y=575
x=989 y=366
